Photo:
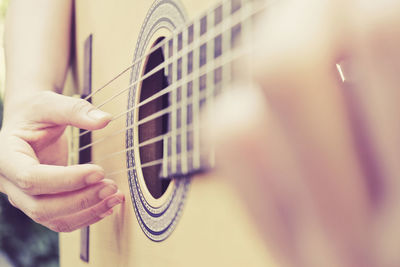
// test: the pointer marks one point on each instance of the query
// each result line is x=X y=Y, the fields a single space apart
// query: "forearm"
x=37 y=45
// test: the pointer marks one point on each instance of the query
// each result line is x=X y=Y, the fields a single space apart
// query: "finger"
x=376 y=61
x=78 y=201
x=375 y=80
x=57 y=109
x=86 y=217
x=45 y=207
x=302 y=90
x=268 y=176
x=21 y=167
x=312 y=111
x=296 y=71
x=42 y=179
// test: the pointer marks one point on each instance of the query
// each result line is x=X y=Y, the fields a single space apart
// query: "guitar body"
x=211 y=226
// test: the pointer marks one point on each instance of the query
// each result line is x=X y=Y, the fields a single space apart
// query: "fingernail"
x=94 y=178
x=105 y=214
x=97 y=114
x=113 y=202
x=107 y=191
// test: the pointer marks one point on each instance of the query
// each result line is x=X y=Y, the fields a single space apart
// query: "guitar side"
x=214 y=228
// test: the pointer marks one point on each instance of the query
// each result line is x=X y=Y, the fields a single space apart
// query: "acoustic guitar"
x=154 y=66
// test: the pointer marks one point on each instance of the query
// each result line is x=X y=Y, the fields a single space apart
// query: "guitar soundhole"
x=152 y=152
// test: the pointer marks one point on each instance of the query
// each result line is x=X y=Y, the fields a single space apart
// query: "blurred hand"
x=316 y=159
x=33 y=156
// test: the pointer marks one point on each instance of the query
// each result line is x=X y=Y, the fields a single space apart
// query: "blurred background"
x=23 y=243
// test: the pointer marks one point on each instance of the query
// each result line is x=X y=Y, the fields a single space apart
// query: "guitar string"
x=258 y=5
x=203 y=95
x=174 y=134
x=190 y=128
x=159 y=67
x=159 y=138
x=153 y=116
x=221 y=61
x=159 y=45
x=145 y=143
x=144 y=165
x=222 y=28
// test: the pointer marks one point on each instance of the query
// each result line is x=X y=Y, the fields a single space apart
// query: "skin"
x=33 y=158
x=316 y=159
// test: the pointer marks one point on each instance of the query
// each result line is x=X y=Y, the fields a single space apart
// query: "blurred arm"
x=37 y=45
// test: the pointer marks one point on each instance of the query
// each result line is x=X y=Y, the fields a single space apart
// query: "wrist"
x=19 y=92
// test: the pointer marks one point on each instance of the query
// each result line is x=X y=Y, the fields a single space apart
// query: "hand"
x=316 y=159
x=33 y=156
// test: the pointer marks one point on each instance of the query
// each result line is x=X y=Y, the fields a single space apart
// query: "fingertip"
x=100 y=117
x=96 y=175
x=117 y=199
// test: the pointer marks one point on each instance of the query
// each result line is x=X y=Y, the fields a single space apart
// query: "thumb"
x=58 y=109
